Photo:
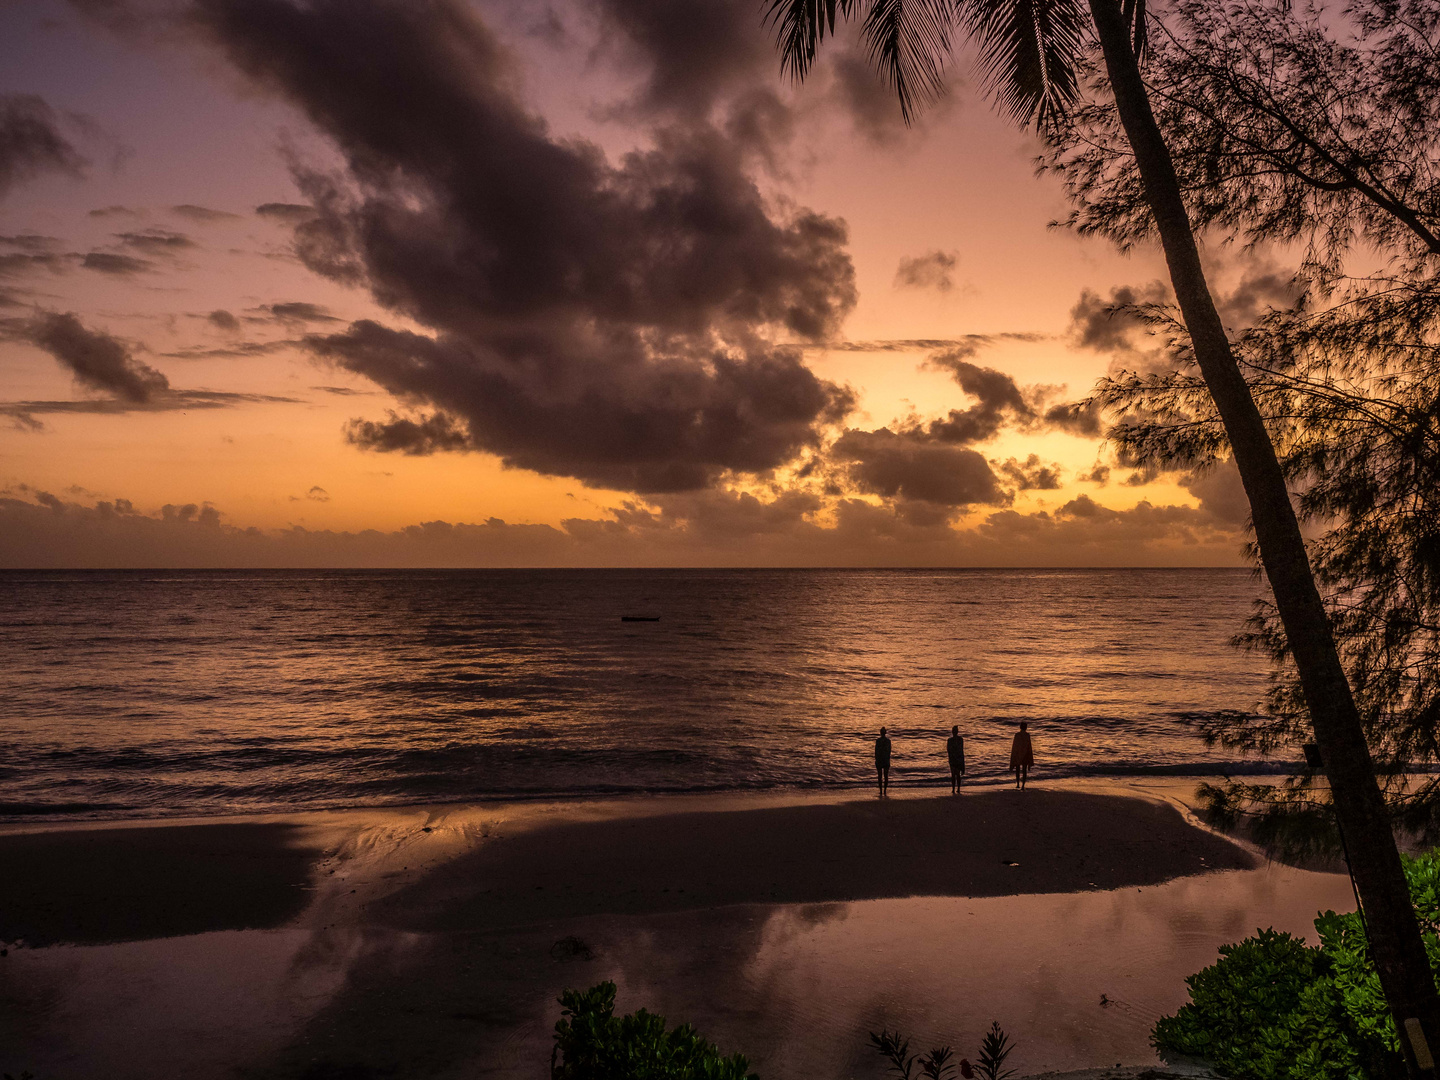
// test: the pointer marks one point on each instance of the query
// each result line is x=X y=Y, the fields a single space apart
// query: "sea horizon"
x=181 y=692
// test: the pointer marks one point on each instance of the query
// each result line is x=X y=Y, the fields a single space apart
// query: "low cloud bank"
x=39 y=530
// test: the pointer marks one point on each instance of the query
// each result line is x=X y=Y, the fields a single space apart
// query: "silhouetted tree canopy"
x=1288 y=122
x=1318 y=130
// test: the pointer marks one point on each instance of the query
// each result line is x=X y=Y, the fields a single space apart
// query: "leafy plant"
x=896 y=1051
x=938 y=1064
x=591 y=1043
x=994 y=1049
x=1274 y=1008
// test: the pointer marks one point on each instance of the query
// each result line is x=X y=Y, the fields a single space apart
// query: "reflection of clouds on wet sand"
x=794 y=987
x=798 y=988
x=408 y=961
x=193 y=1006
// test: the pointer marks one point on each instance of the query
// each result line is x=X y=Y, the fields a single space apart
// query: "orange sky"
x=181 y=143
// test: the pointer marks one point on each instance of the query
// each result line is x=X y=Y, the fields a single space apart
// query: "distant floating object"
x=639 y=618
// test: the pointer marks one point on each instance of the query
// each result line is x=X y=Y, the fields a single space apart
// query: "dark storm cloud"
x=95 y=358
x=1076 y=418
x=873 y=106
x=999 y=401
x=24 y=412
x=22 y=263
x=1220 y=492
x=1261 y=289
x=298 y=311
x=286 y=213
x=692 y=55
x=1032 y=474
x=31 y=142
x=31 y=242
x=223 y=320
x=597 y=320
x=718 y=61
x=974 y=343
x=1082 y=506
x=929 y=271
x=869 y=100
x=155 y=241
x=416 y=437
x=707 y=63
x=238 y=350
x=118 y=265
x=1115 y=328
x=906 y=466
x=747 y=411
x=203 y=215
x=711 y=527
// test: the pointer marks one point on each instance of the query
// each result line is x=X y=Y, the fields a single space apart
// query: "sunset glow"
x=195 y=151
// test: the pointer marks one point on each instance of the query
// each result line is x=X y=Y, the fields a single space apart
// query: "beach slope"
x=994 y=842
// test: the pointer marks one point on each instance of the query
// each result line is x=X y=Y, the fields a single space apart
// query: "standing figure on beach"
x=882 y=762
x=1022 y=756
x=955 y=749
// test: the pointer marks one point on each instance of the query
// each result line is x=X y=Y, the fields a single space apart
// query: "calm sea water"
x=147 y=693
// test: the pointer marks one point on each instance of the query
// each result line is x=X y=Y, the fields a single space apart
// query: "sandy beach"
x=453 y=928
x=510 y=865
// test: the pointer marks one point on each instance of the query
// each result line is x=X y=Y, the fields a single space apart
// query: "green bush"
x=1274 y=1008
x=592 y=1044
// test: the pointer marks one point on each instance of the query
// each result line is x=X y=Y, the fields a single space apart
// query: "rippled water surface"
x=127 y=693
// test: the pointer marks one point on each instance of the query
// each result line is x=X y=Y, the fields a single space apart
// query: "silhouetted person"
x=882 y=762
x=955 y=749
x=1022 y=756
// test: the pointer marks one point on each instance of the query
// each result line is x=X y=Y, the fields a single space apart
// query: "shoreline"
x=34 y=816
x=455 y=866
x=1164 y=786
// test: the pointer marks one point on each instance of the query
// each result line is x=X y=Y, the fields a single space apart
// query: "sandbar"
x=487 y=866
x=989 y=842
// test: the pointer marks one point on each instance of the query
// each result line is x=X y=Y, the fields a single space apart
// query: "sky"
x=497 y=283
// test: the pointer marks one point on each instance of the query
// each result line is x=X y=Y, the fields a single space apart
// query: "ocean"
x=166 y=693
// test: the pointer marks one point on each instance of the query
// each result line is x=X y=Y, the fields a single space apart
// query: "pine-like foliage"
x=1314 y=131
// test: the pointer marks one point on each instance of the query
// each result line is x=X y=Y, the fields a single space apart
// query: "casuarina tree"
x=1030 y=51
x=1302 y=125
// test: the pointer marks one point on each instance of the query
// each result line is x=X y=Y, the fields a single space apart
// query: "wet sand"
x=433 y=941
x=486 y=867
x=125 y=884
x=994 y=842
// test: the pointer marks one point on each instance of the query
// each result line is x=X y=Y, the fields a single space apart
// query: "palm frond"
x=1028 y=50
x=909 y=41
x=800 y=26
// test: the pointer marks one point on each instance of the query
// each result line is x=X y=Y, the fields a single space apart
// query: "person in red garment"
x=1022 y=756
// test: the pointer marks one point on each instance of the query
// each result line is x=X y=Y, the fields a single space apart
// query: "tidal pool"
x=1076 y=979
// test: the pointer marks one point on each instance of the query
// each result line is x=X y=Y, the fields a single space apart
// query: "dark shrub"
x=592 y=1044
x=1274 y=1008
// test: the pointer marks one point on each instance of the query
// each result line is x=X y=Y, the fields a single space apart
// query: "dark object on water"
x=639 y=618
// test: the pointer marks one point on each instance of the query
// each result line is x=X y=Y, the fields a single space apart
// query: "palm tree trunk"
x=1395 y=940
